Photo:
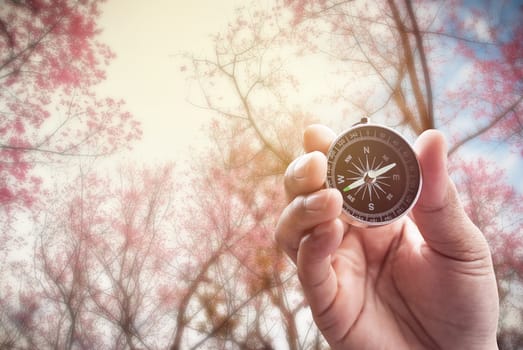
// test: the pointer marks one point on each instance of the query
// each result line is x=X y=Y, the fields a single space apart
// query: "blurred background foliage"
x=170 y=257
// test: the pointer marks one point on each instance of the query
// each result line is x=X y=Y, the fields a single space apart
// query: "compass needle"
x=354 y=185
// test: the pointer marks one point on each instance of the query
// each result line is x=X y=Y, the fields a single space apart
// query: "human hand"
x=425 y=281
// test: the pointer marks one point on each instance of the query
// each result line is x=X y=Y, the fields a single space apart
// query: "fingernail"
x=300 y=169
x=316 y=201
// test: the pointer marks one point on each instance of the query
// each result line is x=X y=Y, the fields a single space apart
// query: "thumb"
x=438 y=213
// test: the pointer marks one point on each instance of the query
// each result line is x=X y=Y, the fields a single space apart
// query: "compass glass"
x=377 y=172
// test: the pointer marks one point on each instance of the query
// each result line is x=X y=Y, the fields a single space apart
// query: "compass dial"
x=377 y=173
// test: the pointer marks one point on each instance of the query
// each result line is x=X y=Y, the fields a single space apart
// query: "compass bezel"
x=395 y=144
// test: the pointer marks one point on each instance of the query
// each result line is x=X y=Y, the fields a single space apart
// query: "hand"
x=425 y=281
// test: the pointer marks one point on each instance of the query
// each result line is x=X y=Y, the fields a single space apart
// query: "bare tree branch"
x=429 y=122
x=487 y=127
x=411 y=67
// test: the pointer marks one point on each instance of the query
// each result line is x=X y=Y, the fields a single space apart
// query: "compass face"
x=377 y=173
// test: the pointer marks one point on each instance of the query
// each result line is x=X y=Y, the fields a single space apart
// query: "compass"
x=377 y=173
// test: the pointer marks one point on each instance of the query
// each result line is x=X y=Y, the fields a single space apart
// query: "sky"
x=149 y=39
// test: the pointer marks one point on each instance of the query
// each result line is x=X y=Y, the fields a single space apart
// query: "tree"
x=260 y=137
x=231 y=282
x=102 y=267
x=50 y=60
x=491 y=208
x=120 y=262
